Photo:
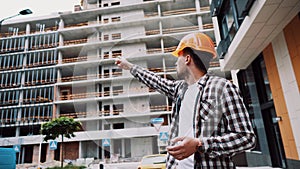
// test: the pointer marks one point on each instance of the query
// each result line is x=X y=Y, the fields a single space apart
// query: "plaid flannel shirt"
x=221 y=121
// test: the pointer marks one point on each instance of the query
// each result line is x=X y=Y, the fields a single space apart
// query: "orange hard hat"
x=197 y=41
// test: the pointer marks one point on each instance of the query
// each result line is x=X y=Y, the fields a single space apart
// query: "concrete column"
x=61 y=24
x=60 y=55
x=27 y=29
x=160 y=28
x=102 y=151
x=35 y=156
x=80 y=150
x=50 y=154
x=111 y=147
x=56 y=111
x=23 y=155
x=197 y=4
x=91 y=108
x=200 y=23
x=18 y=130
x=159 y=10
x=61 y=40
x=162 y=45
x=27 y=40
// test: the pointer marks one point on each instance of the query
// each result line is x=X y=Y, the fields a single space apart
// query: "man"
x=209 y=121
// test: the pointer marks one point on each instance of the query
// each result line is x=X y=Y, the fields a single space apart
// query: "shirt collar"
x=202 y=81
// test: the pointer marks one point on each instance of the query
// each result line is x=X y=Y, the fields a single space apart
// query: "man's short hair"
x=200 y=58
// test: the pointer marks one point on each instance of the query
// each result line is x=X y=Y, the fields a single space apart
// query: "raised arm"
x=162 y=85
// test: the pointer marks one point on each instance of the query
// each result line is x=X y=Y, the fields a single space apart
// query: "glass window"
x=224 y=28
x=266 y=81
x=230 y=19
x=106 y=126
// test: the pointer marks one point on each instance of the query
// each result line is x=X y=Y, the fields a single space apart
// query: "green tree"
x=62 y=126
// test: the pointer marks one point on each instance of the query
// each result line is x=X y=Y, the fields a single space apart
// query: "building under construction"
x=63 y=65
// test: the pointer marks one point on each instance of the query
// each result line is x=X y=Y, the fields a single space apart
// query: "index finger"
x=174 y=148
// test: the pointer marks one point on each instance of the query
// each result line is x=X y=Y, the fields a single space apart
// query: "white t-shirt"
x=186 y=115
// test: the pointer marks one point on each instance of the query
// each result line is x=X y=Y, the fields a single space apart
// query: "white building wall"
x=141 y=146
x=137 y=105
x=128 y=2
x=132 y=50
x=128 y=16
x=134 y=122
x=289 y=84
x=127 y=33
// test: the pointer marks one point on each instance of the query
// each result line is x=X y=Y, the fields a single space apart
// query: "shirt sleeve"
x=162 y=85
x=237 y=134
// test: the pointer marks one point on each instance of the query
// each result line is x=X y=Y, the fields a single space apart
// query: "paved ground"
x=256 y=168
x=131 y=165
x=134 y=166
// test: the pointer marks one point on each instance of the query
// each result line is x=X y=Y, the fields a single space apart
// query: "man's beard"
x=182 y=75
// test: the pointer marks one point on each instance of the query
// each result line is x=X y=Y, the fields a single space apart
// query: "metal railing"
x=111 y=112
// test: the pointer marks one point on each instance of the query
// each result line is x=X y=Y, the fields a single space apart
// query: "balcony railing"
x=48 y=29
x=75 y=59
x=9 y=102
x=179 y=11
x=178 y=30
x=39 y=99
x=77 y=25
x=111 y=112
x=100 y=94
x=9 y=121
x=154 y=50
x=75 y=42
x=170 y=49
x=3 y=86
x=92 y=76
x=7 y=34
x=150 y=14
x=181 y=29
x=152 y=32
x=40 y=82
x=208 y=26
x=105 y=75
x=38 y=64
x=159 y=50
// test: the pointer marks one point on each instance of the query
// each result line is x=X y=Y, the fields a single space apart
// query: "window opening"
x=106 y=73
x=116 y=53
x=117 y=90
x=105 y=20
x=106 y=110
x=106 y=126
x=116 y=36
x=118 y=126
x=105 y=55
x=106 y=91
x=115 y=3
x=116 y=19
x=118 y=108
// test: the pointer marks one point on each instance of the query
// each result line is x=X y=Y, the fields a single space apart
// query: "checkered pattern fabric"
x=221 y=120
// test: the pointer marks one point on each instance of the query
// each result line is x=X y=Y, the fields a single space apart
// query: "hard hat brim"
x=176 y=52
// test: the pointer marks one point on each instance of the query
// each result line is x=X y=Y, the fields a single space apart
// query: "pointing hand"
x=123 y=63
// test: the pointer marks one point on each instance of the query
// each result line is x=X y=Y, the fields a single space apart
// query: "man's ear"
x=187 y=59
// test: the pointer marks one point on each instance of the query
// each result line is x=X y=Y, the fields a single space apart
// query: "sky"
x=38 y=7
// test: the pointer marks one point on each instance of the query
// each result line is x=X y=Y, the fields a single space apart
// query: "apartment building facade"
x=63 y=65
x=258 y=41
